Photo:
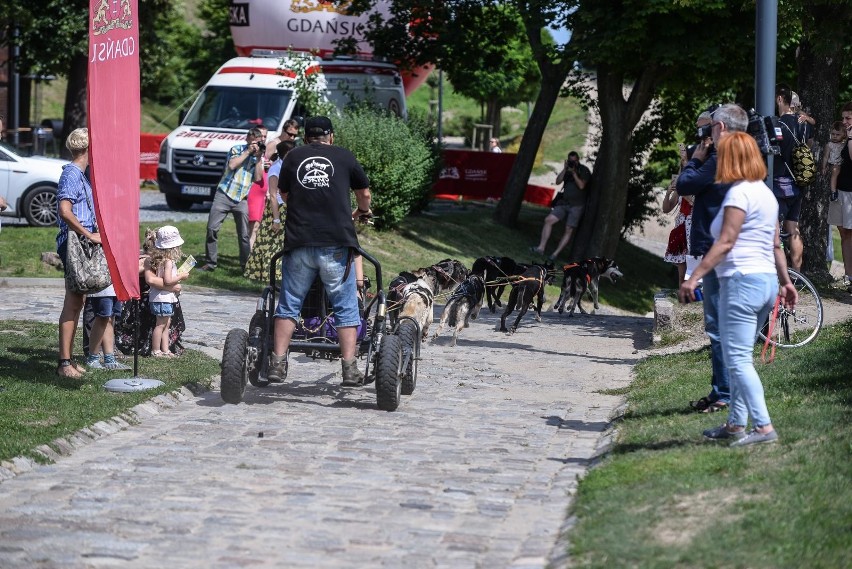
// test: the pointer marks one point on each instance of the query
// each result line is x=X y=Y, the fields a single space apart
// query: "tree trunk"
x=513 y=194
x=75 y=97
x=819 y=83
x=600 y=228
x=493 y=118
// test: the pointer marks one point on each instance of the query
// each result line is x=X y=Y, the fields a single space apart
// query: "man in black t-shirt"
x=788 y=194
x=315 y=181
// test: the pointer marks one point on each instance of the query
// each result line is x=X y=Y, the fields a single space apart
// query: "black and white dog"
x=581 y=278
x=528 y=287
x=464 y=305
x=497 y=272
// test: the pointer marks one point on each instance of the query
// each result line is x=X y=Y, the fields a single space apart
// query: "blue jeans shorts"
x=162 y=308
x=300 y=267
x=105 y=306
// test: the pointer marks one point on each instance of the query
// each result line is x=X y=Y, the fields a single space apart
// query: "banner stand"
x=135 y=383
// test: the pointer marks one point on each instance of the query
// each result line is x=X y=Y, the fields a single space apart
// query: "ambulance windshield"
x=238 y=108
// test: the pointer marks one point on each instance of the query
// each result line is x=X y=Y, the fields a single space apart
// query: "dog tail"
x=454 y=309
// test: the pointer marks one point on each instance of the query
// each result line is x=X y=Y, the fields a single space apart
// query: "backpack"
x=804 y=166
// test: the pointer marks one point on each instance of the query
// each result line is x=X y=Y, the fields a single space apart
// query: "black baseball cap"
x=318 y=126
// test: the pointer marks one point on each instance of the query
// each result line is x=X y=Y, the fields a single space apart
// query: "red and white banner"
x=114 y=119
x=474 y=175
x=149 y=154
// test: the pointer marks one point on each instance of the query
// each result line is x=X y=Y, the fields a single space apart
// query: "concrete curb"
x=65 y=446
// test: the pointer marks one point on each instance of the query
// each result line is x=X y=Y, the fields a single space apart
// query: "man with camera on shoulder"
x=244 y=167
x=699 y=179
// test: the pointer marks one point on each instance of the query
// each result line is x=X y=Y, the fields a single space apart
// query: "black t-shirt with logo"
x=318 y=178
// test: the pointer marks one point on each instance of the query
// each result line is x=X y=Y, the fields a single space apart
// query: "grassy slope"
x=666 y=498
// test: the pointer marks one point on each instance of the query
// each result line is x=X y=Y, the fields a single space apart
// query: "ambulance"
x=259 y=90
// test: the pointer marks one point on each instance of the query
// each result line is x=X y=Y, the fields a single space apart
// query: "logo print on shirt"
x=315 y=173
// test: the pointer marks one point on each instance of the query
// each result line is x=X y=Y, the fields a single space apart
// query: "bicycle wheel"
x=794 y=328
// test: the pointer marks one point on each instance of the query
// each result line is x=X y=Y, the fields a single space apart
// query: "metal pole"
x=766 y=34
x=440 y=107
x=15 y=119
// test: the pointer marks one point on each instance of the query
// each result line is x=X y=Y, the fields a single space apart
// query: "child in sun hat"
x=162 y=299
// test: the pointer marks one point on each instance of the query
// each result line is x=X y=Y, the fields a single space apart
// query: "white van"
x=249 y=91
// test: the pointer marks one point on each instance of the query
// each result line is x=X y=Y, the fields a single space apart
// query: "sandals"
x=705 y=405
x=159 y=354
x=69 y=369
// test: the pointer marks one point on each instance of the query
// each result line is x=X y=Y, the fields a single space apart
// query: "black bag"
x=557 y=199
x=86 y=269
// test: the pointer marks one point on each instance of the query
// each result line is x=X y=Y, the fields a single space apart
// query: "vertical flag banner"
x=114 y=124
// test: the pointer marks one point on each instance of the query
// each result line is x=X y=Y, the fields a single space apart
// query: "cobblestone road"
x=476 y=469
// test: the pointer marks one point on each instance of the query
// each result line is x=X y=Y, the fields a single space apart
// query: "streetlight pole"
x=766 y=34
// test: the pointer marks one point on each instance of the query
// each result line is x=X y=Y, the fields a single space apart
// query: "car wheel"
x=178 y=203
x=40 y=206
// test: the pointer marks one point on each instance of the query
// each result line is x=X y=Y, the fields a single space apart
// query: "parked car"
x=29 y=185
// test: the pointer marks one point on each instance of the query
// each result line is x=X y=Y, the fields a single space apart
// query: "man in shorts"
x=315 y=181
x=568 y=204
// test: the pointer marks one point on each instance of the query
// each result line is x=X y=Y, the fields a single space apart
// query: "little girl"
x=162 y=299
x=831 y=155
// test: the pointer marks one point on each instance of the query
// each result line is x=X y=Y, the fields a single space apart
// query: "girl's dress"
x=678 y=247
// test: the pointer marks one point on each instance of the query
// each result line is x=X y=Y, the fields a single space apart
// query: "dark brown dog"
x=528 y=288
x=581 y=278
x=497 y=272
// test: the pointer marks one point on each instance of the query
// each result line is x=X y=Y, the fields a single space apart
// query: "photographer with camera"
x=699 y=179
x=231 y=196
x=568 y=204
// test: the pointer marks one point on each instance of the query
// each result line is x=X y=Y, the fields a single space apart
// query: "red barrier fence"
x=474 y=175
x=149 y=151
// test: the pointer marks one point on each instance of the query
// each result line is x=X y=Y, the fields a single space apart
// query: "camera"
x=766 y=131
x=262 y=147
x=703 y=132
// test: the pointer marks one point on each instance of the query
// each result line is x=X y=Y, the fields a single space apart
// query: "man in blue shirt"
x=241 y=170
x=699 y=179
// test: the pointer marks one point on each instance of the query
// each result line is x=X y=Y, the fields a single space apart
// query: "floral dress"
x=268 y=243
x=678 y=247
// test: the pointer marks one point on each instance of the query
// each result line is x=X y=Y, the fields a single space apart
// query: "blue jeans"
x=300 y=268
x=745 y=301
x=720 y=383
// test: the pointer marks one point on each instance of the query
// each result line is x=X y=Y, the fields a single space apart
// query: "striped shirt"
x=74 y=187
x=236 y=183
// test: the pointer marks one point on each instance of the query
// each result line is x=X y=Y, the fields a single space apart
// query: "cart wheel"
x=388 y=384
x=408 y=337
x=257 y=336
x=234 y=366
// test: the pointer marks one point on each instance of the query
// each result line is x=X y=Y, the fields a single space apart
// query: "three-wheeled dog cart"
x=390 y=358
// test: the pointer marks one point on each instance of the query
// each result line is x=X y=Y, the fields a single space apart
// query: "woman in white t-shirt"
x=749 y=263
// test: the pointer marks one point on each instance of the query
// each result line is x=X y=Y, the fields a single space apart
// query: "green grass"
x=566 y=128
x=665 y=498
x=36 y=406
x=461 y=231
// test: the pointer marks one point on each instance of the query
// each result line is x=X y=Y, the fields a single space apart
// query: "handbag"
x=86 y=269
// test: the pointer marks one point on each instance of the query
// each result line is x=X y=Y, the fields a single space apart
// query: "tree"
x=821 y=58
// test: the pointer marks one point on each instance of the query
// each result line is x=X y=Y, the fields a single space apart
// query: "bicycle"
x=797 y=327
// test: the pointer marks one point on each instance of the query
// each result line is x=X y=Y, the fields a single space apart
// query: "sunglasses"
x=292 y=134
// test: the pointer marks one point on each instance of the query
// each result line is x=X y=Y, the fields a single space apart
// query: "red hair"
x=738 y=158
